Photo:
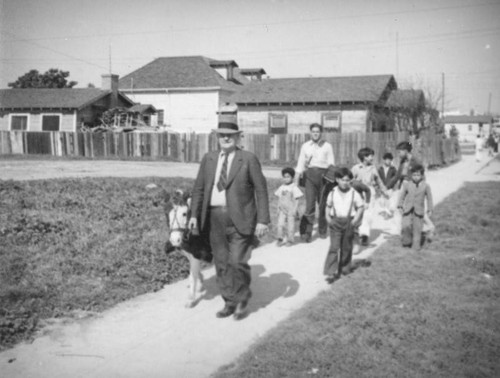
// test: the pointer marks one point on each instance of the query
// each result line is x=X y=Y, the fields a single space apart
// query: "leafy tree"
x=53 y=78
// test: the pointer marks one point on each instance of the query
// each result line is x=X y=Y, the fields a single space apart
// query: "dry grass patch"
x=73 y=245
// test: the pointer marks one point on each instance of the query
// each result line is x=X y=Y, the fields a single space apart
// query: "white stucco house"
x=468 y=126
x=186 y=91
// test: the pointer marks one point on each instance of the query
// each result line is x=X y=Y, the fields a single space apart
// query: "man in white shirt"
x=315 y=157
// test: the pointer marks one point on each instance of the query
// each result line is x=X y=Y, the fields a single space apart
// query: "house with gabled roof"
x=468 y=126
x=58 y=109
x=187 y=90
x=340 y=104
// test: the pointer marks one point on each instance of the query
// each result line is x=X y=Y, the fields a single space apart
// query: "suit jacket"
x=413 y=197
x=391 y=178
x=404 y=169
x=246 y=191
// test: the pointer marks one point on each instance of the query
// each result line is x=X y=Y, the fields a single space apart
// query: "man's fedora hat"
x=227 y=128
x=228 y=120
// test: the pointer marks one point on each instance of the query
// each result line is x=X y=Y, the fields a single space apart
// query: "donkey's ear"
x=165 y=195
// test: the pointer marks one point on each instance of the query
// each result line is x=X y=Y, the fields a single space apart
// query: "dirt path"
x=155 y=336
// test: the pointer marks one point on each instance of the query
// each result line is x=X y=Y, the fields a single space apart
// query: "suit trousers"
x=231 y=253
x=314 y=184
x=342 y=237
x=411 y=230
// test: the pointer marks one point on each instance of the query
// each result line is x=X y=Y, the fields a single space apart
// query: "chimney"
x=110 y=83
x=230 y=74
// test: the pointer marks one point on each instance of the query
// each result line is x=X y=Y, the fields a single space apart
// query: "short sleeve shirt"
x=288 y=196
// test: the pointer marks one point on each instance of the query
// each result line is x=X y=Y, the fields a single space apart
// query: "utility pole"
x=397 y=55
x=442 y=100
x=110 y=71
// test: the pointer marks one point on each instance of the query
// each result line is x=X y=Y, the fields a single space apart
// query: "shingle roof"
x=315 y=89
x=176 y=72
x=406 y=99
x=141 y=108
x=468 y=119
x=252 y=71
x=36 y=98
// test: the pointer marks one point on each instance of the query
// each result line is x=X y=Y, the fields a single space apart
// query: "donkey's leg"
x=193 y=278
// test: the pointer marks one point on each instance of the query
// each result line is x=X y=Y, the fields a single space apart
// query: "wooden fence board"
x=431 y=148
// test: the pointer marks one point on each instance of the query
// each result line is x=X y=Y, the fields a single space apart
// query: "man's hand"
x=193 y=224
x=261 y=229
x=429 y=212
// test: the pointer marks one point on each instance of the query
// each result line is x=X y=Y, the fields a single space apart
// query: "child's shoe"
x=280 y=242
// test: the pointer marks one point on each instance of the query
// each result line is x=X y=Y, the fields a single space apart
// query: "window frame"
x=28 y=118
x=59 y=115
x=277 y=130
x=327 y=129
x=162 y=113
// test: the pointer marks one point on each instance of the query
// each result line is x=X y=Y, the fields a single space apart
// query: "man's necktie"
x=221 y=185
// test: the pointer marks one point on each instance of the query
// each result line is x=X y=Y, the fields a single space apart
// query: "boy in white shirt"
x=344 y=210
x=367 y=173
x=288 y=201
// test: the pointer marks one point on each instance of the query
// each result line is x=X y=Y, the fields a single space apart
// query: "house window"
x=161 y=119
x=278 y=123
x=470 y=127
x=19 y=122
x=331 y=122
x=51 y=122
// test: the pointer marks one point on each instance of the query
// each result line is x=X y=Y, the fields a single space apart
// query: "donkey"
x=190 y=243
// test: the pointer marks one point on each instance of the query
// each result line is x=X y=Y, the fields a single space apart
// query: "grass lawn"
x=434 y=313
x=73 y=245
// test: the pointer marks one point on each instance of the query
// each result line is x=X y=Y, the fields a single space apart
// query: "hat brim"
x=227 y=131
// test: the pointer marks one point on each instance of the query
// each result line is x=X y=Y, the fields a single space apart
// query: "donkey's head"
x=177 y=211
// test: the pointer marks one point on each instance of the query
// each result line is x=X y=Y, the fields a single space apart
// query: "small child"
x=344 y=209
x=411 y=203
x=288 y=201
x=388 y=174
x=367 y=173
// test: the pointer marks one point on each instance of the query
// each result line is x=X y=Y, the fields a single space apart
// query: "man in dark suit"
x=230 y=202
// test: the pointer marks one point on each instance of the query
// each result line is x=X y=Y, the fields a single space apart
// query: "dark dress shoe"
x=364 y=240
x=331 y=279
x=241 y=310
x=226 y=311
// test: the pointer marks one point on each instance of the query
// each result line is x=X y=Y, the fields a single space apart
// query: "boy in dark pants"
x=411 y=203
x=344 y=209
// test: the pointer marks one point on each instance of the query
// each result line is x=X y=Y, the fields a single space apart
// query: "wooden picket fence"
x=190 y=147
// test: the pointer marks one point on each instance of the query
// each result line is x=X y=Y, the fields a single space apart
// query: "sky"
x=439 y=46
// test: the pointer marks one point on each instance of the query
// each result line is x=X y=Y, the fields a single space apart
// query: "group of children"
x=350 y=212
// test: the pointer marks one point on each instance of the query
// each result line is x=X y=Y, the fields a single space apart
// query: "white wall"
x=186 y=111
x=467 y=132
x=298 y=121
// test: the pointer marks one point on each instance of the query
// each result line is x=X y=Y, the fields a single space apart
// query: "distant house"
x=58 y=109
x=468 y=126
x=340 y=104
x=186 y=91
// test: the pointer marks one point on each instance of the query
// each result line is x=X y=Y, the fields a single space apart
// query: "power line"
x=260 y=24
x=60 y=53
